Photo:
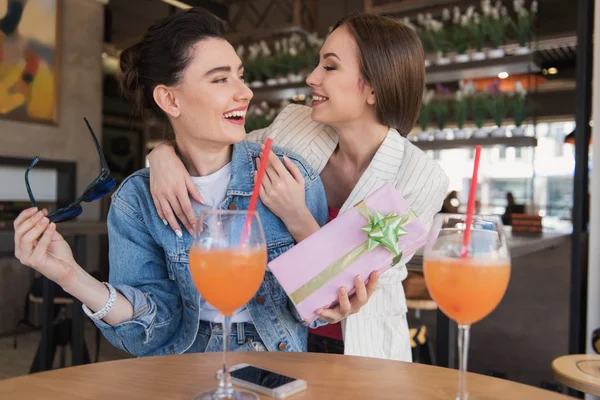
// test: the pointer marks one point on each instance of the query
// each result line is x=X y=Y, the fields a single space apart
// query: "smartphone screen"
x=261 y=377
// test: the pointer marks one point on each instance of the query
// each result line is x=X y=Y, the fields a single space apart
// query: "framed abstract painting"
x=29 y=60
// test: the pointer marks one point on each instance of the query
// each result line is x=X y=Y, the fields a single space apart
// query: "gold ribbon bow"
x=382 y=230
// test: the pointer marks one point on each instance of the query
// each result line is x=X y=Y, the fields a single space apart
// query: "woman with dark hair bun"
x=188 y=77
x=367 y=93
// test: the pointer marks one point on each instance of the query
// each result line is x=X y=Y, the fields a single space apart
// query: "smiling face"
x=209 y=102
x=339 y=92
x=370 y=67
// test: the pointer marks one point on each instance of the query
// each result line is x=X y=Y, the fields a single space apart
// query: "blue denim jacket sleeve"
x=142 y=277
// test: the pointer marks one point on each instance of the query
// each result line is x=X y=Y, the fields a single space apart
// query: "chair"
x=61 y=336
x=419 y=300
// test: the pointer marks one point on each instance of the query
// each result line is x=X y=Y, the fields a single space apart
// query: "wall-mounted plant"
x=497 y=106
x=460 y=35
x=434 y=37
x=477 y=35
x=495 y=19
x=441 y=109
x=523 y=26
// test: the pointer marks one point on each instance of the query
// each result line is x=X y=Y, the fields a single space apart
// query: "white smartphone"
x=264 y=381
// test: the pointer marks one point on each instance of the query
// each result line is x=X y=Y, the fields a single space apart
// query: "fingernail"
x=343 y=291
x=286 y=158
x=359 y=278
x=39 y=214
x=191 y=231
x=44 y=221
x=201 y=200
x=165 y=222
x=178 y=233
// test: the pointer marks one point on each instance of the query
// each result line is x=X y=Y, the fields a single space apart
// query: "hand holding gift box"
x=376 y=234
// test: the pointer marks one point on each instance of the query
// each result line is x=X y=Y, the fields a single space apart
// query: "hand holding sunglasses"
x=100 y=187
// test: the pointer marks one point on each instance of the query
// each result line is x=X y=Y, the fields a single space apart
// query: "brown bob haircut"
x=392 y=62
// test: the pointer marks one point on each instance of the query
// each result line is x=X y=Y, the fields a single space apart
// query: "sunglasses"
x=100 y=187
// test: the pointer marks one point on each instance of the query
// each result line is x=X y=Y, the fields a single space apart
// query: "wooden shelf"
x=281 y=92
x=518 y=141
x=482 y=69
x=405 y=5
x=435 y=73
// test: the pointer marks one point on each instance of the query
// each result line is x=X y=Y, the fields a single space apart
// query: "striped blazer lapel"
x=322 y=147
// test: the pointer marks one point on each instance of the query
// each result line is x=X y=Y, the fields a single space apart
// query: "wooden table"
x=328 y=377
x=579 y=371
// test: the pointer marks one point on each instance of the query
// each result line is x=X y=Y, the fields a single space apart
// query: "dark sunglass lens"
x=99 y=190
x=66 y=214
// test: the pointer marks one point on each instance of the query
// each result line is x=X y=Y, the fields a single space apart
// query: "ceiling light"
x=177 y=4
x=552 y=71
x=503 y=75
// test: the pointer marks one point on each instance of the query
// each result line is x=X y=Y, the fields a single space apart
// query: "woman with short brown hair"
x=367 y=92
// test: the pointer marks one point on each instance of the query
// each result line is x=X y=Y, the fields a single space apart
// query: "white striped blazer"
x=379 y=329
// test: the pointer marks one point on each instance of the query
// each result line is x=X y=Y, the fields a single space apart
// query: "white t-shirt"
x=213 y=189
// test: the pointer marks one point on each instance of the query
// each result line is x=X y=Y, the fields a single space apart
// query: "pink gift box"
x=310 y=259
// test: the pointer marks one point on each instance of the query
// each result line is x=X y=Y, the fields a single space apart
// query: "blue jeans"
x=244 y=337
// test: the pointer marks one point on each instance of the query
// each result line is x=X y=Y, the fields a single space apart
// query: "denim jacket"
x=149 y=265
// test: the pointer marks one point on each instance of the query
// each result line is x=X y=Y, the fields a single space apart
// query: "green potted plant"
x=252 y=67
x=249 y=72
x=425 y=38
x=460 y=36
x=523 y=26
x=497 y=107
x=281 y=61
x=495 y=19
x=435 y=37
x=461 y=108
x=294 y=58
x=267 y=64
x=265 y=71
x=519 y=108
x=479 y=111
x=440 y=110
x=295 y=63
x=476 y=36
x=425 y=116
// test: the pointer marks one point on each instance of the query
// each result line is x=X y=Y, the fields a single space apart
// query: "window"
x=503 y=152
x=518 y=153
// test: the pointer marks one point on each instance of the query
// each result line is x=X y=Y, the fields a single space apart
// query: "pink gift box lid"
x=311 y=256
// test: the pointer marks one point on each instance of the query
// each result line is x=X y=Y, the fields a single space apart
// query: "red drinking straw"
x=471 y=204
x=256 y=191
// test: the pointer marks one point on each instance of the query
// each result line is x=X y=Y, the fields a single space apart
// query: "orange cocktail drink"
x=227 y=279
